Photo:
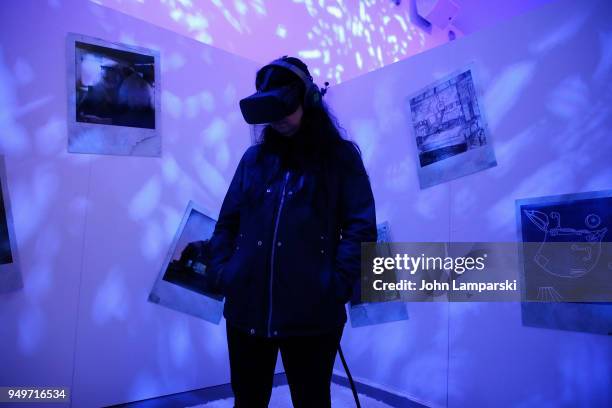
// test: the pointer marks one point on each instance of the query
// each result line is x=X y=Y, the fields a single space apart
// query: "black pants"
x=308 y=362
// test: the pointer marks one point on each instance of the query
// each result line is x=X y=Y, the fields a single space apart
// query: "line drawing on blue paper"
x=549 y=294
x=585 y=247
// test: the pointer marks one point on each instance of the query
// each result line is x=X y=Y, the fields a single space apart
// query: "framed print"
x=566 y=257
x=10 y=273
x=113 y=98
x=449 y=128
x=181 y=283
x=388 y=306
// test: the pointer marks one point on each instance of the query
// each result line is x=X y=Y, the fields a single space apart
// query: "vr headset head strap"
x=301 y=74
x=312 y=95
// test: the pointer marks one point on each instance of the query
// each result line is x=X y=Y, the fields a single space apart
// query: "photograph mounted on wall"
x=566 y=257
x=10 y=273
x=388 y=306
x=6 y=255
x=182 y=283
x=113 y=98
x=450 y=130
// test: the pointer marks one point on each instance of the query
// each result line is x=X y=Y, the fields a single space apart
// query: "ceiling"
x=338 y=39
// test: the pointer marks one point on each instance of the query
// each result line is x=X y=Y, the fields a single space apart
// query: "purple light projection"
x=337 y=39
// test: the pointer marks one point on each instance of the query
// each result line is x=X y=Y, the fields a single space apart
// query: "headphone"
x=313 y=95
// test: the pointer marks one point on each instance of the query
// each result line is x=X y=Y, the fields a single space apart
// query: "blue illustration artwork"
x=567 y=264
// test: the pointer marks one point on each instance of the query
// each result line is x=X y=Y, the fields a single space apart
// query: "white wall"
x=410 y=356
x=93 y=230
x=547 y=78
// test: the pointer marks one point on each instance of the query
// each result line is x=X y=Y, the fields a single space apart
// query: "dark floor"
x=204 y=395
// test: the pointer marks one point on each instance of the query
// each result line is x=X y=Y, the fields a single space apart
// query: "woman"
x=286 y=247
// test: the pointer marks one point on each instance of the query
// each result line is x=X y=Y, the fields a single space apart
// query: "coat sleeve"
x=226 y=229
x=357 y=218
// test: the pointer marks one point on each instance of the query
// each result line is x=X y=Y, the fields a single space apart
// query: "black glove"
x=196 y=256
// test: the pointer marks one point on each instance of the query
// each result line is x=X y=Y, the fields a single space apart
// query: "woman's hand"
x=226 y=230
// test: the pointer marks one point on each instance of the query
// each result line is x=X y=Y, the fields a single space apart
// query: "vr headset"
x=273 y=105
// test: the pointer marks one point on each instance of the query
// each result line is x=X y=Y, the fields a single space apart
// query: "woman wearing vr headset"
x=287 y=244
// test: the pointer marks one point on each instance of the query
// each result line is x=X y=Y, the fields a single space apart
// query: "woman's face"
x=289 y=124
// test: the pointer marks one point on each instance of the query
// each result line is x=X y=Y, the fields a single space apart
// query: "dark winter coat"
x=286 y=261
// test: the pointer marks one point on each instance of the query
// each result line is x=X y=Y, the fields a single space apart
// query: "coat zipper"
x=280 y=208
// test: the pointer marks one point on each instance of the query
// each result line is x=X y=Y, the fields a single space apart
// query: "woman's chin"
x=284 y=130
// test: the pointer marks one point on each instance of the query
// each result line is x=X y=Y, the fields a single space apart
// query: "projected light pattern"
x=338 y=39
x=93 y=230
x=549 y=111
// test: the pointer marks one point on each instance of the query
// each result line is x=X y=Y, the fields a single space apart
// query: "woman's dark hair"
x=317 y=145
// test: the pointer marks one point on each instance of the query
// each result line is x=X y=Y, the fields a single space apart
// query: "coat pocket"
x=341 y=291
x=236 y=272
x=231 y=276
